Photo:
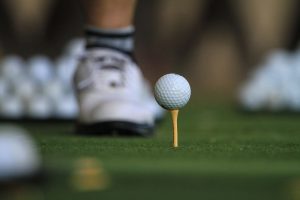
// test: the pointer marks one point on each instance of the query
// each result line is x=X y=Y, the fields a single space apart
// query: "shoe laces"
x=109 y=72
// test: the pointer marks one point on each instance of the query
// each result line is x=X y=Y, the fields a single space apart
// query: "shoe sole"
x=38 y=178
x=115 y=128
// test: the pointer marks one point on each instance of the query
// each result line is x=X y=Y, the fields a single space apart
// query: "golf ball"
x=12 y=66
x=172 y=91
x=40 y=68
x=19 y=156
x=39 y=107
x=11 y=106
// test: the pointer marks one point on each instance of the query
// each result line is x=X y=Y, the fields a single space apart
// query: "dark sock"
x=118 y=39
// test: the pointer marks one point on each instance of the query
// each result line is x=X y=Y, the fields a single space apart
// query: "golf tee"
x=174 y=114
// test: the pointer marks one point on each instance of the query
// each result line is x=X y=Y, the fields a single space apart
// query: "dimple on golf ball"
x=172 y=91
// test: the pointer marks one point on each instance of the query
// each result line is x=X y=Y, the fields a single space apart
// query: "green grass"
x=223 y=154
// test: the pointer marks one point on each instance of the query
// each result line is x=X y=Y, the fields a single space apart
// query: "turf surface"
x=223 y=154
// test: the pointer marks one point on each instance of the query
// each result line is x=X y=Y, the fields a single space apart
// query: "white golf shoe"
x=113 y=96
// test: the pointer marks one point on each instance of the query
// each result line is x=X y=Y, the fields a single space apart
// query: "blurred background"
x=214 y=44
x=190 y=36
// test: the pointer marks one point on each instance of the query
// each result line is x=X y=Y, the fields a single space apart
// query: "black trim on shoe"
x=37 y=178
x=96 y=33
x=97 y=46
x=115 y=128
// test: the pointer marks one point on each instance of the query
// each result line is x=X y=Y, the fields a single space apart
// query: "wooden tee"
x=174 y=114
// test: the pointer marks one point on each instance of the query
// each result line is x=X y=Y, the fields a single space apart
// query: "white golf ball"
x=11 y=106
x=66 y=106
x=40 y=107
x=12 y=67
x=172 y=91
x=18 y=154
x=24 y=88
x=54 y=89
x=4 y=86
x=40 y=68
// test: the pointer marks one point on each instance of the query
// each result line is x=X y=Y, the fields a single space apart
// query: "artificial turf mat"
x=223 y=154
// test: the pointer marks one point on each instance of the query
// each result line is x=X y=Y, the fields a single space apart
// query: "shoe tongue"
x=110 y=76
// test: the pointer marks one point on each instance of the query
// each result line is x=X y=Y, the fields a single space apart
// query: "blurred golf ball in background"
x=40 y=87
x=40 y=68
x=11 y=106
x=39 y=107
x=19 y=157
x=12 y=67
x=274 y=84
